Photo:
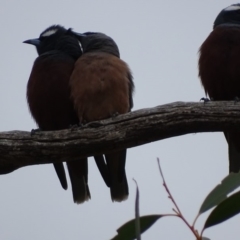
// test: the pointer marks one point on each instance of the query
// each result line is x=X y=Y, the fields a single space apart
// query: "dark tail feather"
x=103 y=169
x=233 y=139
x=59 y=168
x=78 y=172
x=118 y=181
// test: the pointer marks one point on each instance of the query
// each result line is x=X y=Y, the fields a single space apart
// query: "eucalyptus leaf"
x=220 y=192
x=225 y=210
x=137 y=214
x=127 y=230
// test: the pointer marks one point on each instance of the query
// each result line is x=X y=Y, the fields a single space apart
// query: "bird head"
x=97 y=42
x=228 y=16
x=58 y=38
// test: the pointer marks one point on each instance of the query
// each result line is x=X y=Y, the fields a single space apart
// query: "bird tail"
x=117 y=176
x=233 y=139
x=59 y=168
x=78 y=172
x=103 y=168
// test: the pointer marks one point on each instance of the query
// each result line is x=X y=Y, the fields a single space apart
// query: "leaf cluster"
x=226 y=204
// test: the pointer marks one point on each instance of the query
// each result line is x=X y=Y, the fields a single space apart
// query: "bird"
x=49 y=97
x=219 y=69
x=102 y=87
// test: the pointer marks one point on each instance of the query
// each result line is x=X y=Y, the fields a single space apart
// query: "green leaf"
x=205 y=238
x=127 y=231
x=220 y=192
x=225 y=210
x=137 y=221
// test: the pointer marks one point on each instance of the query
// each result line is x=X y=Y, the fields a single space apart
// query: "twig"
x=177 y=210
x=195 y=220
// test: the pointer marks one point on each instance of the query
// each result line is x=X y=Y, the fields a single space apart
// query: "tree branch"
x=19 y=148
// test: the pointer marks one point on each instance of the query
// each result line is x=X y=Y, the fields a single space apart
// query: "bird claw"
x=205 y=100
x=74 y=127
x=33 y=131
x=115 y=114
x=236 y=99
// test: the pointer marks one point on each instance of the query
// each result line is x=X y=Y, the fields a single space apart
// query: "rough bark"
x=20 y=148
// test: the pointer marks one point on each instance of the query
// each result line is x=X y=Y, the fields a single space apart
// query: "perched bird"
x=219 y=69
x=48 y=96
x=102 y=87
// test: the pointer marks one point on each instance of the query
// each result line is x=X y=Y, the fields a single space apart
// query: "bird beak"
x=34 y=42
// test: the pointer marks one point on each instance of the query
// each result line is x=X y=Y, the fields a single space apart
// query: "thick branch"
x=19 y=148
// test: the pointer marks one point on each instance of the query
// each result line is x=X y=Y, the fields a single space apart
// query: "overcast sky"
x=160 y=41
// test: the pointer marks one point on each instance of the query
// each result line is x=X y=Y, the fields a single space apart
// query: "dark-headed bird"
x=48 y=96
x=219 y=69
x=102 y=87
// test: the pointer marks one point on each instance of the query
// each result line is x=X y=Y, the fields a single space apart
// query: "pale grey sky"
x=160 y=41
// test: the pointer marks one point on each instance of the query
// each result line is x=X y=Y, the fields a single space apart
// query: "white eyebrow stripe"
x=232 y=8
x=49 y=33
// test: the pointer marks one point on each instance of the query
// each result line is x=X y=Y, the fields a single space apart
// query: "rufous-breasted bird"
x=48 y=96
x=219 y=69
x=101 y=87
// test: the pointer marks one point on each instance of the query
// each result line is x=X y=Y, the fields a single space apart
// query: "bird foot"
x=236 y=99
x=94 y=124
x=205 y=100
x=33 y=131
x=114 y=114
x=74 y=127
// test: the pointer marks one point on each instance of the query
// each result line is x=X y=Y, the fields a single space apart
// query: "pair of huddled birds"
x=79 y=78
